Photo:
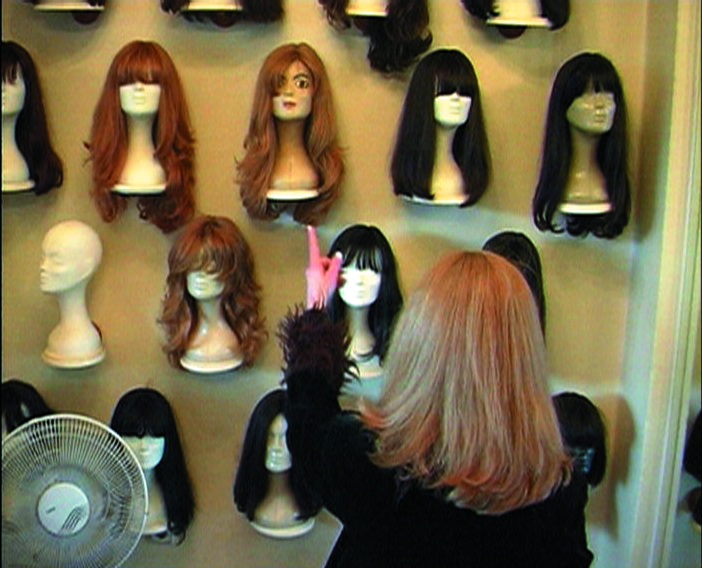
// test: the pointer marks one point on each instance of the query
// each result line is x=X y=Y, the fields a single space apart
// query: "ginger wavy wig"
x=146 y=62
x=215 y=244
x=320 y=138
x=465 y=408
x=574 y=77
x=397 y=40
x=441 y=71
x=31 y=129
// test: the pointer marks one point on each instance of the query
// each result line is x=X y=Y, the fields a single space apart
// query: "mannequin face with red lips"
x=293 y=100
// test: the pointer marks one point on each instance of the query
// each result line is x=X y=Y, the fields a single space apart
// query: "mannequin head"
x=143 y=412
x=396 y=40
x=216 y=246
x=584 y=434
x=31 y=128
x=441 y=72
x=555 y=11
x=21 y=402
x=251 y=483
x=320 y=141
x=584 y=73
x=521 y=252
x=71 y=252
x=145 y=62
x=260 y=11
x=365 y=247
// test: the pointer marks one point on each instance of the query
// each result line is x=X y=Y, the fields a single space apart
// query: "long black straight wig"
x=32 y=130
x=146 y=412
x=251 y=482
x=580 y=73
x=440 y=71
x=365 y=246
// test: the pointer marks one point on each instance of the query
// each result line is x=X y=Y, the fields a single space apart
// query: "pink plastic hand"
x=322 y=274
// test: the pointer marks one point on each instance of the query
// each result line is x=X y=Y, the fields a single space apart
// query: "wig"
x=465 y=407
x=575 y=77
x=555 y=11
x=21 y=402
x=146 y=412
x=443 y=71
x=520 y=251
x=254 y=171
x=366 y=247
x=82 y=16
x=259 y=11
x=213 y=244
x=584 y=434
x=251 y=483
x=397 y=40
x=146 y=62
x=31 y=130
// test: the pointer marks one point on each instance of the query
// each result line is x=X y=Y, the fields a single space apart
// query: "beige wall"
x=588 y=282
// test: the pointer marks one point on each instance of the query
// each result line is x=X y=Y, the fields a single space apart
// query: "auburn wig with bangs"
x=261 y=142
x=146 y=62
x=214 y=244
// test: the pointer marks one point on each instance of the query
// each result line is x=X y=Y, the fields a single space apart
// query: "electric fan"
x=73 y=495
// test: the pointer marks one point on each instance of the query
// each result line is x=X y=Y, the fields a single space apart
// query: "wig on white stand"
x=71 y=253
x=526 y=13
x=15 y=172
x=142 y=172
x=268 y=487
x=378 y=8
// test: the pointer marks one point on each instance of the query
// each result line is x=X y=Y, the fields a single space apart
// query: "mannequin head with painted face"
x=29 y=160
x=443 y=84
x=370 y=282
x=397 y=37
x=211 y=259
x=145 y=419
x=587 y=102
x=265 y=452
x=147 y=64
x=318 y=140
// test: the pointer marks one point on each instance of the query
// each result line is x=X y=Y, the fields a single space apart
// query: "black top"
x=389 y=522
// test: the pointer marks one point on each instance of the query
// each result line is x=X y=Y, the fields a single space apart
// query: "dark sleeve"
x=330 y=446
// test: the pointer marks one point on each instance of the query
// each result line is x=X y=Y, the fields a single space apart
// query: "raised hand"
x=322 y=273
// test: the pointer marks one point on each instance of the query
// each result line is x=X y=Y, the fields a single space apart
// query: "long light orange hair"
x=261 y=142
x=214 y=244
x=147 y=62
x=465 y=407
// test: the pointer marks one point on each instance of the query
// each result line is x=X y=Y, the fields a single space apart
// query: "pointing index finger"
x=314 y=246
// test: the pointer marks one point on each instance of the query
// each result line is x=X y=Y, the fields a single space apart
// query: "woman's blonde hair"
x=261 y=143
x=465 y=407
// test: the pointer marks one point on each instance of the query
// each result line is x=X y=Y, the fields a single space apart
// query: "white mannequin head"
x=592 y=112
x=71 y=252
x=13 y=95
x=360 y=286
x=139 y=99
x=147 y=449
x=293 y=101
x=451 y=110
x=203 y=285
x=278 y=458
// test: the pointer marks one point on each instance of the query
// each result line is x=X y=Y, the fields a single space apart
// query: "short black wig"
x=258 y=11
x=575 y=77
x=365 y=246
x=440 y=71
x=21 y=402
